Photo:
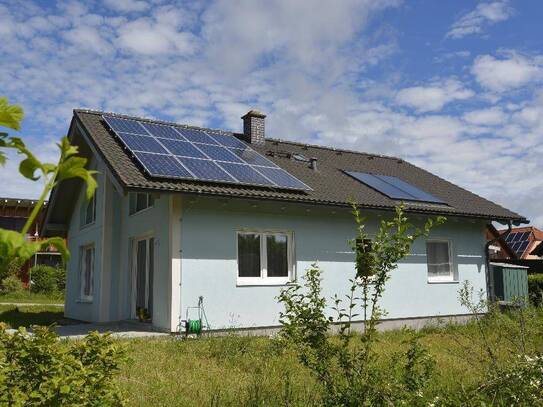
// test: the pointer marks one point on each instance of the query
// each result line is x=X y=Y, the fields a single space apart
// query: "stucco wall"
x=112 y=267
x=83 y=236
x=209 y=261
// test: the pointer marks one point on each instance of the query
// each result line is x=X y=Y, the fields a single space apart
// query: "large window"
x=86 y=275
x=140 y=201
x=264 y=258
x=88 y=211
x=438 y=254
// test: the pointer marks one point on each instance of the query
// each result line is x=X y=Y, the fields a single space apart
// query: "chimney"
x=253 y=127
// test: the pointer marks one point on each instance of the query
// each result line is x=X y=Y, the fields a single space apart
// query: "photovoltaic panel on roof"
x=195 y=154
x=394 y=187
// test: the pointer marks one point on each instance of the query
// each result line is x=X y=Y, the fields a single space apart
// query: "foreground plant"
x=14 y=245
x=348 y=367
x=40 y=370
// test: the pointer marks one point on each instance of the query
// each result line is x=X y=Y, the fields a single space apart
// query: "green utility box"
x=510 y=282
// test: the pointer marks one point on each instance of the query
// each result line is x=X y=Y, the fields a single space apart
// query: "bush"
x=40 y=370
x=11 y=284
x=13 y=268
x=535 y=288
x=47 y=279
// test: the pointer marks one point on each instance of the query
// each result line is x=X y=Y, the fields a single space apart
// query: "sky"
x=455 y=87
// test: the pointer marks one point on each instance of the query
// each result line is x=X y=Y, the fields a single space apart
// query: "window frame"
x=264 y=279
x=451 y=278
x=150 y=202
x=82 y=261
x=86 y=204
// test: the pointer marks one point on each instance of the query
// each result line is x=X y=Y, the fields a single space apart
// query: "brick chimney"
x=253 y=127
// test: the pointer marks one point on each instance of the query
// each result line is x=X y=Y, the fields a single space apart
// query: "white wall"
x=209 y=264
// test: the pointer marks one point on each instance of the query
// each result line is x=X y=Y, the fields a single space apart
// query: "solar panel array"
x=519 y=242
x=394 y=187
x=193 y=154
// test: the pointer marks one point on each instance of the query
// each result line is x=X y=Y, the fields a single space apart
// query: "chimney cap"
x=253 y=113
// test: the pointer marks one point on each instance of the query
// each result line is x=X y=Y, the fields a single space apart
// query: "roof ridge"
x=151 y=120
x=342 y=150
x=272 y=139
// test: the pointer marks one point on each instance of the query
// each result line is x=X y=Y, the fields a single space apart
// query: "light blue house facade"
x=153 y=250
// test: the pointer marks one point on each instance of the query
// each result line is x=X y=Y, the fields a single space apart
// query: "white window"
x=265 y=258
x=438 y=255
x=88 y=212
x=86 y=275
x=139 y=201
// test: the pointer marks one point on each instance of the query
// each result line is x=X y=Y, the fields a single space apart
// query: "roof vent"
x=313 y=163
x=253 y=127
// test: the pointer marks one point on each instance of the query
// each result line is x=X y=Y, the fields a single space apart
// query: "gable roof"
x=330 y=185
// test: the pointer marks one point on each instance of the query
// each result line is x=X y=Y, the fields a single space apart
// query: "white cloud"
x=127 y=5
x=512 y=71
x=433 y=97
x=476 y=21
x=161 y=34
x=486 y=117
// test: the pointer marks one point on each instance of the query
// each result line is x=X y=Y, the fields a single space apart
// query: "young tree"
x=13 y=244
x=347 y=366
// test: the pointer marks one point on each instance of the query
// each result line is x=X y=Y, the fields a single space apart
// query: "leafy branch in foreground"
x=347 y=366
x=14 y=244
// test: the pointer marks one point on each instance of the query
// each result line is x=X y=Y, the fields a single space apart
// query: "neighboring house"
x=522 y=246
x=14 y=213
x=183 y=212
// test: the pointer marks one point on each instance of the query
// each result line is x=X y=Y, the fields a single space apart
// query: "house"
x=14 y=213
x=183 y=213
x=521 y=246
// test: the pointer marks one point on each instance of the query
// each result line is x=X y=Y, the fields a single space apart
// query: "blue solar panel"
x=394 y=187
x=184 y=153
x=182 y=148
x=141 y=143
x=245 y=173
x=228 y=141
x=518 y=237
x=125 y=126
x=510 y=237
x=219 y=153
x=250 y=156
x=158 y=130
x=163 y=165
x=525 y=236
x=522 y=247
x=417 y=193
x=380 y=185
x=280 y=177
x=196 y=136
x=206 y=169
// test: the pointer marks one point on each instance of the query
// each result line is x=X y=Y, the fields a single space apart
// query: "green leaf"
x=10 y=115
x=28 y=168
x=74 y=167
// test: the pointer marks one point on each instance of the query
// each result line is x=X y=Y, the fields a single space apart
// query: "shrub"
x=13 y=268
x=11 y=284
x=47 y=279
x=535 y=288
x=40 y=370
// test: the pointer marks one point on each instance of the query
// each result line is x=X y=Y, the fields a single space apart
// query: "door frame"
x=134 y=270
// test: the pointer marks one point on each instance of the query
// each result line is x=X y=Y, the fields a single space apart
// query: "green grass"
x=250 y=371
x=28 y=315
x=36 y=298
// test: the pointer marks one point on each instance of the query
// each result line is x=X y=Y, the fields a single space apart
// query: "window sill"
x=140 y=211
x=88 y=225
x=256 y=281
x=84 y=301
x=443 y=281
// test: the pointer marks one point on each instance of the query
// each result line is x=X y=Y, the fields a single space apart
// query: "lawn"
x=250 y=371
x=24 y=297
x=28 y=315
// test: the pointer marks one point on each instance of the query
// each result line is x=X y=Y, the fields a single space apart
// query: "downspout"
x=489 y=276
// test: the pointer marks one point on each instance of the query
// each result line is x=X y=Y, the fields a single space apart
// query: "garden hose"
x=194 y=326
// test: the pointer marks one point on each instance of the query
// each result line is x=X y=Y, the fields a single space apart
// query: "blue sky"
x=453 y=86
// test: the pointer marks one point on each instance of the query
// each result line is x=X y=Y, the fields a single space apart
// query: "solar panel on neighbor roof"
x=394 y=187
x=176 y=152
